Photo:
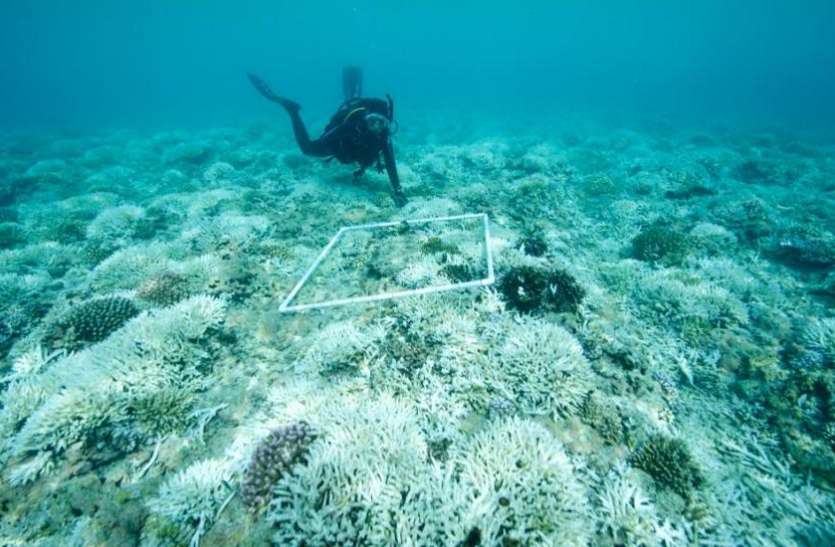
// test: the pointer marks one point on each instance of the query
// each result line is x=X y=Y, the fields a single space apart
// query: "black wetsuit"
x=347 y=137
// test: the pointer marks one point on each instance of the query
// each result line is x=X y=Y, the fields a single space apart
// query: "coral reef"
x=654 y=365
x=531 y=288
x=669 y=462
x=660 y=243
x=165 y=289
x=276 y=454
x=90 y=322
x=521 y=487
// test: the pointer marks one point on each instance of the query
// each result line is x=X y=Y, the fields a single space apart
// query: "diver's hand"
x=400 y=199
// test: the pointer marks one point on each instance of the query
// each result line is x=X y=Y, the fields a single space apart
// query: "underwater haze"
x=96 y=63
x=575 y=287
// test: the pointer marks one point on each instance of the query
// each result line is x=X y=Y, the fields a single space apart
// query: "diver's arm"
x=391 y=170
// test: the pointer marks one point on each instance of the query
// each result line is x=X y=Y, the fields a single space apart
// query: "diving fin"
x=264 y=89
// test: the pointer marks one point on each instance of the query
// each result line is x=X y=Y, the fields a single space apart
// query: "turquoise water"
x=653 y=362
x=96 y=63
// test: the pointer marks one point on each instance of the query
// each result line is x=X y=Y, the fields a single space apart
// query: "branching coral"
x=660 y=243
x=541 y=366
x=669 y=462
x=108 y=395
x=521 y=487
x=341 y=347
x=364 y=480
x=90 y=322
x=189 y=501
x=819 y=337
x=627 y=515
x=529 y=288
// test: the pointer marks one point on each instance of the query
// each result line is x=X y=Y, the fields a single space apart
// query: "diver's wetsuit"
x=347 y=136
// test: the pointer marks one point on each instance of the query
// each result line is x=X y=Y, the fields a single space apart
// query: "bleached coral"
x=115 y=223
x=219 y=172
x=192 y=498
x=15 y=288
x=423 y=272
x=522 y=488
x=434 y=207
x=541 y=366
x=90 y=396
x=627 y=515
x=692 y=304
x=127 y=268
x=363 y=479
x=230 y=229
x=819 y=336
x=341 y=346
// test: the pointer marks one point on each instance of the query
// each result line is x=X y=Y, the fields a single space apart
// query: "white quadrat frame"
x=286 y=306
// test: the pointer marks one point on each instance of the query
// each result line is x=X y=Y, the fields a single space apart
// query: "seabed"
x=654 y=364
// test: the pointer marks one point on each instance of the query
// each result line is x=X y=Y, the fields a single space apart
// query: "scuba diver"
x=359 y=132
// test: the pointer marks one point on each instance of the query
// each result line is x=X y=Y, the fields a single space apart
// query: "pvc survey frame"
x=285 y=306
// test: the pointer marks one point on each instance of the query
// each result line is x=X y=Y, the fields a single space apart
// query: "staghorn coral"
x=154 y=414
x=88 y=323
x=341 y=347
x=275 y=455
x=819 y=337
x=627 y=515
x=422 y=272
x=366 y=482
x=668 y=461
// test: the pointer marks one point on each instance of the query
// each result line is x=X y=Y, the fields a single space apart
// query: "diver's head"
x=377 y=124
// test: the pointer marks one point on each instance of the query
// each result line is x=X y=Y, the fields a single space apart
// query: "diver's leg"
x=352 y=82
x=307 y=146
x=265 y=91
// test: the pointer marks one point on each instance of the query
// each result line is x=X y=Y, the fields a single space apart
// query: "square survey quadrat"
x=430 y=241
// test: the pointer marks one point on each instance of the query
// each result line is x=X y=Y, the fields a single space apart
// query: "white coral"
x=342 y=345
x=521 y=487
x=541 y=365
x=192 y=498
x=423 y=272
x=819 y=336
x=92 y=388
x=369 y=455
x=115 y=223
x=626 y=513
